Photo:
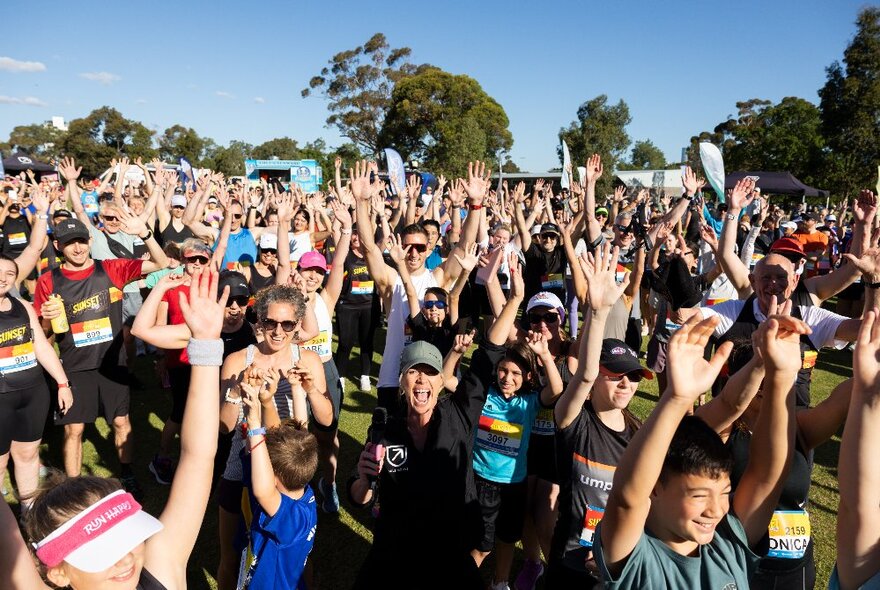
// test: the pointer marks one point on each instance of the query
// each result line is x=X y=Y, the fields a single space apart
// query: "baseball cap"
x=312 y=259
x=808 y=217
x=536 y=229
x=602 y=211
x=831 y=217
x=421 y=353
x=236 y=282
x=548 y=228
x=544 y=299
x=69 y=230
x=178 y=200
x=787 y=246
x=619 y=359
x=61 y=213
x=268 y=241
x=789 y=225
x=100 y=535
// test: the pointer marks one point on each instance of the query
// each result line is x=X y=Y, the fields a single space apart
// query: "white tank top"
x=299 y=245
x=398 y=336
x=321 y=344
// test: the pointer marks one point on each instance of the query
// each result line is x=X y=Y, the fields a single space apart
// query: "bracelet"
x=476 y=207
x=65 y=385
x=345 y=232
x=456 y=207
x=872 y=285
x=42 y=216
x=231 y=400
x=148 y=236
x=205 y=353
x=256 y=431
x=262 y=440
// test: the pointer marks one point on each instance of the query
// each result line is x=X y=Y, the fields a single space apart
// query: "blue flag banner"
x=186 y=170
x=396 y=174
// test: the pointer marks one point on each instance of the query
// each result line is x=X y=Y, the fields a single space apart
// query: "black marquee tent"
x=777 y=183
x=20 y=161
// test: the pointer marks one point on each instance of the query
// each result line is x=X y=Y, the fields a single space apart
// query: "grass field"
x=342 y=541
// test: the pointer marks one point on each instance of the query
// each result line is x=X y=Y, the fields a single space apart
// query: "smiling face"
x=75 y=252
x=276 y=337
x=623 y=235
x=774 y=276
x=313 y=277
x=510 y=377
x=194 y=261
x=688 y=509
x=237 y=216
x=614 y=391
x=544 y=320
x=421 y=387
x=300 y=223
x=8 y=274
x=433 y=236
x=415 y=258
x=110 y=218
x=549 y=240
x=432 y=311
x=233 y=315
x=123 y=575
x=500 y=238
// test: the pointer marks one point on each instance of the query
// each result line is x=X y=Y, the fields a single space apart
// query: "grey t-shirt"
x=726 y=563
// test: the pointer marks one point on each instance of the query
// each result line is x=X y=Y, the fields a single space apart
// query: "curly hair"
x=284 y=294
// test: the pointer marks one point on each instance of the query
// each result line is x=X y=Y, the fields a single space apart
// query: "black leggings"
x=355 y=324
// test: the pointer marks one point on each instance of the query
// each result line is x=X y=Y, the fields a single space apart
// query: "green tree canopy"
x=644 y=156
x=358 y=83
x=40 y=139
x=103 y=135
x=229 y=159
x=850 y=108
x=600 y=128
x=177 y=141
x=445 y=120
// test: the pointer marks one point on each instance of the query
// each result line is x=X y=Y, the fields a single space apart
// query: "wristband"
x=262 y=440
x=872 y=285
x=476 y=207
x=456 y=207
x=42 y=216
x=345 y=232
x=256 y=431
x=148 y=236
x=205 y=353
x=65 y=385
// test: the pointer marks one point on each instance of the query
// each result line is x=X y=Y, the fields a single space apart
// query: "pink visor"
x=100 y=535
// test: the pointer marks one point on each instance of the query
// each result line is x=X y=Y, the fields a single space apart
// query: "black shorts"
x=560 y=577
x=542 y=458
x=23 y=414
x=503 y=508
x=229 y=495
x=334 y=389
x=97 y=392
x=179 y=377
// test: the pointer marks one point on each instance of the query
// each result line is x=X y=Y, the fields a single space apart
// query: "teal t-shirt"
x=152 y=279
x=724 y=564
x=502 y=438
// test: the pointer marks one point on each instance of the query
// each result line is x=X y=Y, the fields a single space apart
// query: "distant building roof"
x=668 y=181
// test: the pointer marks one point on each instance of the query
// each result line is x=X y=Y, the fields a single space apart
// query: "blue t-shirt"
x=90 y=202
x=241 y=248
x=434 y=260
x=502 y=438
x=282 y=543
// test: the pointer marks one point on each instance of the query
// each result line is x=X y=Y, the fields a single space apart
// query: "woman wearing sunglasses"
x=280 y=310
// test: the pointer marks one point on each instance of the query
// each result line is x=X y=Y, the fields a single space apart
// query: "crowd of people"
x=510 y=322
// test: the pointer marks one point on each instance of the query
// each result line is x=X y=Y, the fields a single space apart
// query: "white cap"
x=789 y=225
x=831 y=217
x=178 y=201
x=544 y=299
x=268 y=241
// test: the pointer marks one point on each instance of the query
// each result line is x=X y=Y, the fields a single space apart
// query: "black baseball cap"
x=619 y=359
x=69 y=230
x=235 y=281
x=550 y=228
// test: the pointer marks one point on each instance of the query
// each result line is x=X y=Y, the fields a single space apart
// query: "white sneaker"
x=500 y=586
x=365 y=383
x=342 y=383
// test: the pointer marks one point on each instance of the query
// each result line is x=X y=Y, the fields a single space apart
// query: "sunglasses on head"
x=270 y=324
x=417 y=247
x=109 y=217
x=241 y=300
x=198 y=259
x=432 y=304
x=547 y=318
x=624 y=229
x=270 y=251
x=549 y=236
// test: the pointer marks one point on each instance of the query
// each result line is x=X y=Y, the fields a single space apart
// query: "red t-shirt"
x=121 y=271
x=176 y=358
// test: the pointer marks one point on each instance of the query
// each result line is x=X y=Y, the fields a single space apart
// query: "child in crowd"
x=285 y=515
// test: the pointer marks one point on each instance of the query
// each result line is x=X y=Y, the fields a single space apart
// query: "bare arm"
x=733 y=267
x=147 y=325
x=383 y=275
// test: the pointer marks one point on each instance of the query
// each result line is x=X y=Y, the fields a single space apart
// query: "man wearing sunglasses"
x=92 y=297
x=387 y=281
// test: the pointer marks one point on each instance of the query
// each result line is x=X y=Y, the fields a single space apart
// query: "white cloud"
x=224 y=94
x=259 y=100
x=105 y=78
x=30 y=101
x=13 y=65
x=141 y=101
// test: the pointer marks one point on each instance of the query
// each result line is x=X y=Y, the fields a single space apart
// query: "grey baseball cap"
x=421 y=353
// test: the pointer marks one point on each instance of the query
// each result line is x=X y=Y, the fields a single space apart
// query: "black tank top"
x=148 y=582
x=258 y=282
x=357 y=286
x=18 y=362
x=169 y=234
x=94 y=312
x=16 y=233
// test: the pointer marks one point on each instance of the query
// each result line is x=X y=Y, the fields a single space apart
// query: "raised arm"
x=500 y=328
x=29 y=258
x=71 y=173
x=476 y=187
x=468 y=262
x=136 y=226
x=594 y=172
x=362 y=189
x=733 y=267
x=146 y=325
x=262 y=476
x=333 y=287
x=398 y=253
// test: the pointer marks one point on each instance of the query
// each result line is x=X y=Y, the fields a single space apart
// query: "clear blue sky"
x=235 y=70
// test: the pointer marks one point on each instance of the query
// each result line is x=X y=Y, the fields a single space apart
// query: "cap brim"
x=69 y=238
x=416 y=363
x=107 y=549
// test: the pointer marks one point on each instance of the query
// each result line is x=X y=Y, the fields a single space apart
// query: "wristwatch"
x=148 y=236
x=730 y=217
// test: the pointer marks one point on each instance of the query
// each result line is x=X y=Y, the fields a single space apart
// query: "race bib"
x=670 y=325
x=499 y=436
x=91 y=332
x=591 y=521
x=552 y=281
x=17 y=358
x=544 y=424
x=320 y=344
x=789 y=534
x=17 y=239
x=810 y=357
x=362 y=287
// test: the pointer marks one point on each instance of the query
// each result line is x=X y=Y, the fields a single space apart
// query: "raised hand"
x=689 y=180
x=414 y=186
x=594 y=169
x=742 y=195
x=341 y=213
x=337 y=163
x=471 y=258
x=456 y=192
x=250 y=399
x=866 y=359
x=865 y=207
x=619 y=193
x=517 y=286
x=361 y=187
x=477 y=185
x=708 y=235
x=689 y=373
x=203 y=312
x=463 y=342
x=398 y=251
x=868 y=263
x=778 y=342
x=537 y=343
x=68 y=169
x=131 y=224
x=40 y=201
x=600 y=271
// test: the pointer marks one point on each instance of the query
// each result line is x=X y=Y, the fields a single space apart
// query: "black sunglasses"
x=203 y=260
x=624 y=229
x=271 y=251
x=432 y=304
x=547 y=318
x=109 y=217
x=236 y=215
x=635 y=377
x=549 y=236
x=417 y=247
x=241 y=300
x=287 y=325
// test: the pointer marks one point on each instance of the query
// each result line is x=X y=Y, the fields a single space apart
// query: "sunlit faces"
x=300 y=222
x=110 y=219
x=279 y=317
x=500 y=238
x=233 y=315
x=421 y=386
x=623 y=232
x=686 y=509
x=8 y=274
x=237 y=216
x=773 y=276
x=313 y=277
x=136 y=205
x=433 y=235
x=268 y=256
x=510 y=377
x=194 y=261
x=549 y=240
x=75 y=252
x=613 y=391
x=123 y=575
x=272 y=220
x=415 y=257
x=434 y=309
x=545 y=320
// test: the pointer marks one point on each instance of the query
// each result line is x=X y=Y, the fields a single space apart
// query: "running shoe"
x=365 y=383
x=131 y=485
x=528 y=576
x=162 y=469
x=331 y=498
x=499 y=586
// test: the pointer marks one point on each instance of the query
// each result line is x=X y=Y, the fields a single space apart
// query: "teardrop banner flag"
x=565 y=182
x=713 y=166
x=395 y=170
